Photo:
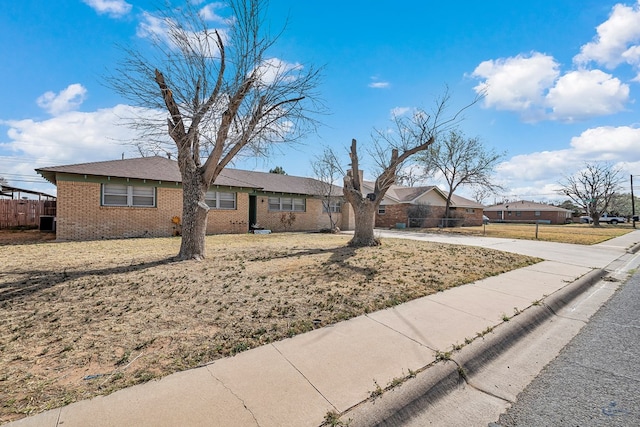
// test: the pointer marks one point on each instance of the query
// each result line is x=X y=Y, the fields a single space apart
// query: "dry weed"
x=86 y=318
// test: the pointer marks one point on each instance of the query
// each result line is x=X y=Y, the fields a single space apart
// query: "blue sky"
x=562 y=80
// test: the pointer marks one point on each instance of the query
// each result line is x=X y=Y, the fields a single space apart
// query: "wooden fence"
x=24 y=213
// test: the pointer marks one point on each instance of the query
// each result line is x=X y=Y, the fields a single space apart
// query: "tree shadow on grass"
x=40 y=280
x=339 y=258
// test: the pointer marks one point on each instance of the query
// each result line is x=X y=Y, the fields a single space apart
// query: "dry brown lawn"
x=580 y=234
x=86 y=318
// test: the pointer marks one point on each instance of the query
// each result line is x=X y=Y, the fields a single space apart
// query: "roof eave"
x=48 y=175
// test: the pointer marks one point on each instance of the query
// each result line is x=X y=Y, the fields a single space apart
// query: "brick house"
x=139 y=197
x=527 y=212
x=423 y=207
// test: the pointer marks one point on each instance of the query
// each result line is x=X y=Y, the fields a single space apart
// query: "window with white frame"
x=333 y=206
x=382 y=209
x=128 y=195
x=220 y=200
x=537 y=213
x=286 y=204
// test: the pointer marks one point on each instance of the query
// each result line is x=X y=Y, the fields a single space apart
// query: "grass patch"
x=580 y=234
x=87 y=318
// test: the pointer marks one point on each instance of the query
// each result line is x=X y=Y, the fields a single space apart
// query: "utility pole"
x=633 y=205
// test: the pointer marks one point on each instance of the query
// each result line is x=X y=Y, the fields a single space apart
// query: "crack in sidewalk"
x=304 y=376
x=421 y=344
x=234 y=395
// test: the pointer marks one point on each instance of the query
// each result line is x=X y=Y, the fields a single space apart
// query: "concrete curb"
x=398 y=405
x=474 y=357
x=634 y=249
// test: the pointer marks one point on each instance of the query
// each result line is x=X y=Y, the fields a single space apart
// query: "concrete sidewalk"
x=297 y=381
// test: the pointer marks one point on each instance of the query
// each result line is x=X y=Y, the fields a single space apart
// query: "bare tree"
x=411 y=135
x=327 y=170
x=223 y=96
x=460 y=161
x=480 y=194
x=409 y=176
x=593 y=188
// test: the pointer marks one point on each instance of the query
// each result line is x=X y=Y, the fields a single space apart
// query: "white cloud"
x=517 y=83
x=617 y=39
x=113 y=8
x=535 y=175
x=399 y=111
x=583 y=94
x=533 y=87
x=379 y=85
x=536 y=166
x=608 y=143
x=274 y=69
x=208 y=13
x=160 y=30
x=66 y=100
x=73 y=137
x=153 y=27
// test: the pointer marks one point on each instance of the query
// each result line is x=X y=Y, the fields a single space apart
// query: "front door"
x=253 y=211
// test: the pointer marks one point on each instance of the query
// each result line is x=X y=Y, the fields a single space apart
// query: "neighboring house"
x=423 y=207
x=527 y=212
x=143 y=197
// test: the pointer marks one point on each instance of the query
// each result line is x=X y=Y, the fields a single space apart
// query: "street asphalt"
x=595 y=380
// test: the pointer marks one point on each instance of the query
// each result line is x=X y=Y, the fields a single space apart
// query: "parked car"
x=605 y=218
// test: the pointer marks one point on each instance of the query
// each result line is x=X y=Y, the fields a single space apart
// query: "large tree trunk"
x=365 y=220
x=194 y=216
x=447 y=211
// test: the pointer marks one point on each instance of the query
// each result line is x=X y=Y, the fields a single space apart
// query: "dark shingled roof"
x=402 y=194
x=162 y=169
x=408 y=194
x=156 y=168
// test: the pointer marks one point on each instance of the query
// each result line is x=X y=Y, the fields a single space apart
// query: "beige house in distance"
x=142 y=197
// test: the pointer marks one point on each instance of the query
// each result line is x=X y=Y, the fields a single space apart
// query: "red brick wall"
x=393 y=214
x=528 y=216
x=398 y=214
x=471 y=218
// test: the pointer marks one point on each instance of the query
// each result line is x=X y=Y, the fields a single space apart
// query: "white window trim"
x=130 y=197
x=335 y=205
x=382 y=209
x=293 y=204
x=213 y=195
